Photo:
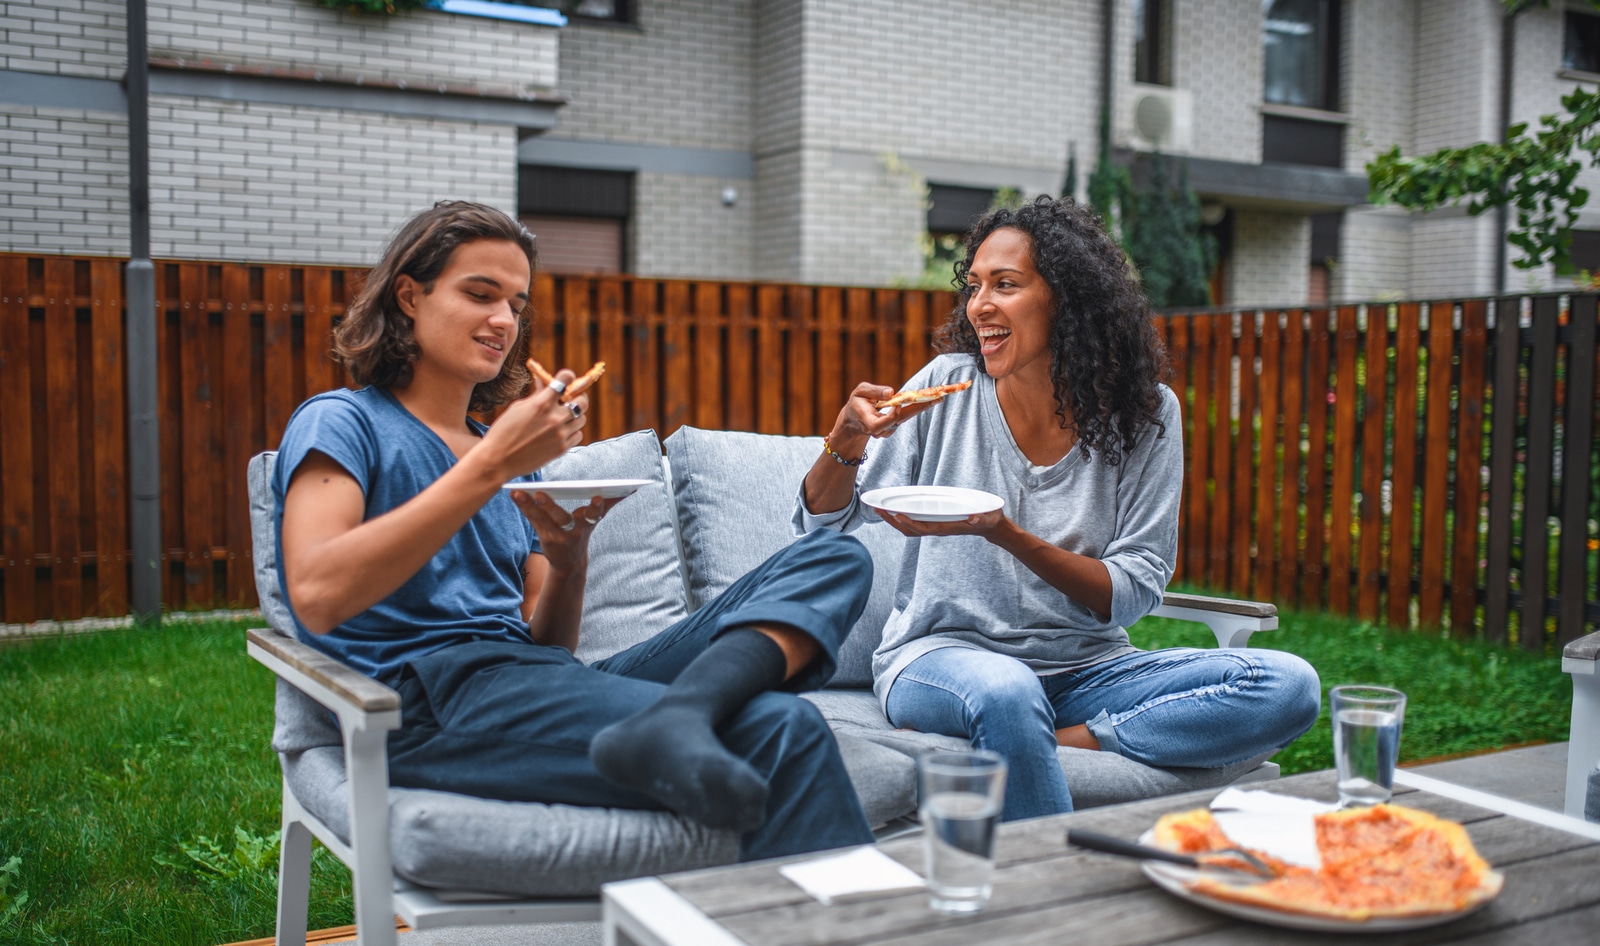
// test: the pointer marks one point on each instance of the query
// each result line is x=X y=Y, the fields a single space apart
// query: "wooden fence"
x=1282 y=414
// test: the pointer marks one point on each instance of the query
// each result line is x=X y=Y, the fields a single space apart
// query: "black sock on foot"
x=671 y=752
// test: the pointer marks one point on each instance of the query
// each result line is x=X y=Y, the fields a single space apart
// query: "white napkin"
x=1277 y=824
x=863 y=872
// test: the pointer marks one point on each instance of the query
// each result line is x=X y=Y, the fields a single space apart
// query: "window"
x=613 y=11
x=580 y=217
x=1581 y=46
x=1302 y=53
x=1586 y=250
x=1150 y=64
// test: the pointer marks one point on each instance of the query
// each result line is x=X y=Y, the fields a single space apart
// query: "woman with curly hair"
x=1008 y=627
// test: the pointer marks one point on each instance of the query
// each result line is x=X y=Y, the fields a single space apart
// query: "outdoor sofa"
x=717 y=504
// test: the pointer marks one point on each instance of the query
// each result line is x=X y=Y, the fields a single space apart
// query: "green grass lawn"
x=130 y=760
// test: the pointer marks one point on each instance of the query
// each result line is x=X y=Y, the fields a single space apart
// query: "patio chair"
x=1579 y=659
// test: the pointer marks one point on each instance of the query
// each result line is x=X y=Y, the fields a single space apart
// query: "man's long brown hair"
x=375 y=341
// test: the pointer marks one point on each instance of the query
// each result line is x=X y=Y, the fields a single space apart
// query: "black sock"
x=671 y=752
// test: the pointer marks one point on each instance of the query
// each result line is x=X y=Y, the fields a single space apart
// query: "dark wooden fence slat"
x=914 y=350
x=644 y=348
x=278 y=332
x=676 y=358
x=1502 y=457
x=195 y=379
x=860 y=365
x=802 y=378
x=17 y=538
x=741 y=359
x=1538 y=473
x=318 y=329
x=577 y=343
x=1243 y=458
x=1403 y=486
x=1373 y=438
x=1312 y=582
x=110 y=444
x=769 y=349
x=61 y=468
x=1221 y=448
x=542 y=336
x=609 y=394
x=239 y=419
x=1267 y=475
x=707 y=348
x=1577 y=436
x=886 y=310
x=1198 y=502
x=837 y=360
x=1474 y=343
x=1341 y=501
x=1289 y=500
x=1436 y=464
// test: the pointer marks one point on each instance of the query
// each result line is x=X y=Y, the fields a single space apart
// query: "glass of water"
x=1366 y=741
x=960 y=795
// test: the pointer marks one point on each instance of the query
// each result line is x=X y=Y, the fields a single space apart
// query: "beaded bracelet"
x=830 y=452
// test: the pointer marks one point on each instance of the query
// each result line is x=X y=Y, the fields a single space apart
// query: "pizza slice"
x=922 y=395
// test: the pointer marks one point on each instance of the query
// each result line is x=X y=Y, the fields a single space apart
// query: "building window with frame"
x=1151 y=59
x=578 y=215
x=1580 y=44
x=609 y=11
x=1302 y=53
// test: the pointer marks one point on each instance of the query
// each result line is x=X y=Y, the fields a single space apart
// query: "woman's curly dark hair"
x=375 y=340
x=1107 y=362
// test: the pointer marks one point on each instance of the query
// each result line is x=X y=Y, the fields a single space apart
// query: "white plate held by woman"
x=932 y=503
x=581 y=489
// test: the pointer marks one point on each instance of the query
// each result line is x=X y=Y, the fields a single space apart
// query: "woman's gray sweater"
x=960 y=591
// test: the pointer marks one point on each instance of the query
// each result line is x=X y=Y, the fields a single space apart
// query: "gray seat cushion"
x=735 y=494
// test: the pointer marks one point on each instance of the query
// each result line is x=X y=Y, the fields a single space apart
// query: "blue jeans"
x=1177 y=707
x=514 y=721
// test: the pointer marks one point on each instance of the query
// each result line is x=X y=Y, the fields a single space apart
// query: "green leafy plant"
x=251 y=854
x=1164 y=238
x=12 y=897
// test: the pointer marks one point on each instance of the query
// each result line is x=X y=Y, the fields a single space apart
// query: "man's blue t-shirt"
x=472 y=589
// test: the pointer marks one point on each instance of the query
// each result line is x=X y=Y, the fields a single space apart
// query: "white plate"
x=1174 y=879
x=582 y=489
x=932 y=503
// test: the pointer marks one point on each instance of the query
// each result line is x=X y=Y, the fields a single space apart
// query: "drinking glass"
x=960 y=796
x=1366 y=741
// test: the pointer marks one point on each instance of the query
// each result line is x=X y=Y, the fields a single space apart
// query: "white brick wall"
x=1457 y=73
x=863 y=220
x=1217 y=55
x=1378 y=75
x=423 y=46
x=241 y=181
x=1271 y=258
x=63 y=181
x=1374 y=256
x=683 y=229
x=684 y=78
x=1453 y=256
x=85 y=38
x=779 y=213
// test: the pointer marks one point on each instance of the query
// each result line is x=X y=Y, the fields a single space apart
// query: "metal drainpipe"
x=1502 y=213
x=1108 y=35
x=144 y=432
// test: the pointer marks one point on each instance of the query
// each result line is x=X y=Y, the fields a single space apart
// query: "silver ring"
x=575 y=409
x=559 y=386
x=569 y=526
x=591 y=522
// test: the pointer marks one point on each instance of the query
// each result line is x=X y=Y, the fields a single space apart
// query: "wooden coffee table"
x=1045 y=892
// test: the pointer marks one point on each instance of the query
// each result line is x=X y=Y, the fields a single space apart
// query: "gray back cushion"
x=636 y=586
x=264 y=544
x=736 y=493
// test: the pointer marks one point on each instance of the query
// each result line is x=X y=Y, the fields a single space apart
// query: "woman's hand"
x=861 y=416
x=563 y=538
x=985 y=524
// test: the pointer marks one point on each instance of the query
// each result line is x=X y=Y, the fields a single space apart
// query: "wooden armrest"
x=359 y=691
x=1584 y=648
x=1249 y=609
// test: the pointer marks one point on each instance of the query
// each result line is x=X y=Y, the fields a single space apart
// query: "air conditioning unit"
x=1157 y=118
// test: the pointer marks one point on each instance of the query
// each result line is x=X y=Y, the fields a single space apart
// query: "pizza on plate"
x=1383 y=861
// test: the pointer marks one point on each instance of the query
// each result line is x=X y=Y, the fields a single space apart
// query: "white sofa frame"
x=1579 y=659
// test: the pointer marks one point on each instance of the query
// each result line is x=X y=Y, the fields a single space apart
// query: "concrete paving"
x=1535 y=775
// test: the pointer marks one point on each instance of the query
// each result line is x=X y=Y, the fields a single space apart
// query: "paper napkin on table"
x=865 y=871
x=1280 y=825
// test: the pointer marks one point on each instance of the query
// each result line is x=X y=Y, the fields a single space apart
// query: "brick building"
x=805 y=140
